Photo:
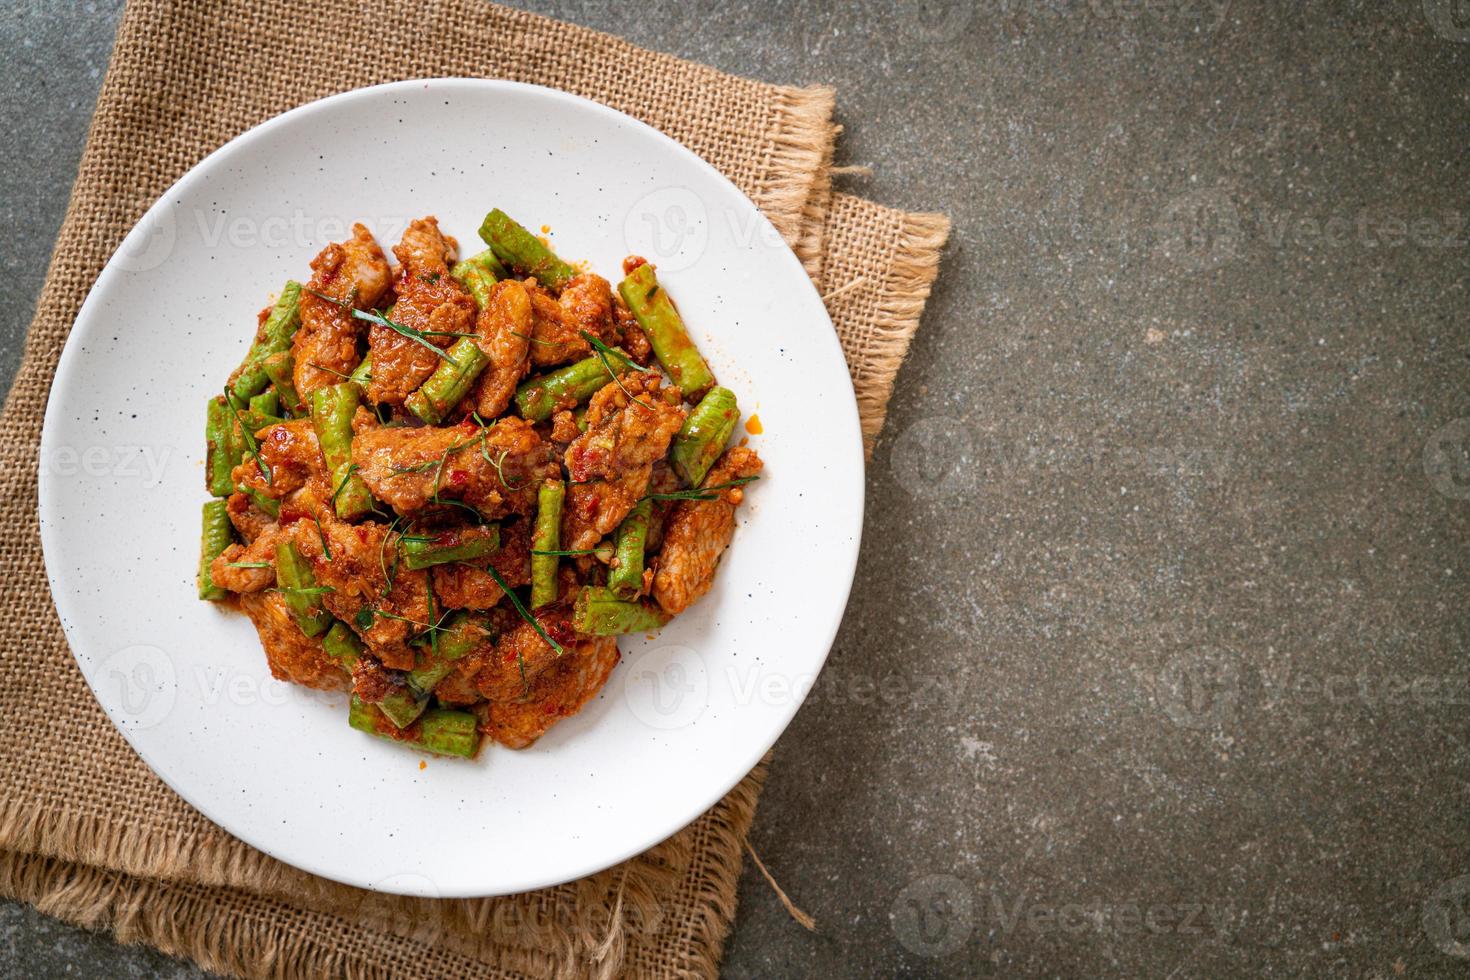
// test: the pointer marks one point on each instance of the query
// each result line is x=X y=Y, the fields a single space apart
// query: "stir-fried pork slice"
x=495 y=470
x=297 y=473
x=586 y=304
x=631 y=336
x=610 y=464
x=664 y=480
x=292 y=655
x=431 y=301
x=372 y=682
x=362 y=565
x=249 y=520
x=354 y=272
x=564 y=429
x=558 y=693
x=234 y=568
x=504 y=327
x=521 y=655
x=292 y=458
x=459 y=687
x=697 y=533
x=460 y=585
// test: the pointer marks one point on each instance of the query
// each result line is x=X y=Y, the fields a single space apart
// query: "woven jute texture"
x=87 y=832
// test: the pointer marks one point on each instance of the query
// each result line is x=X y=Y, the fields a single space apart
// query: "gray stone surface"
x=1155 y=660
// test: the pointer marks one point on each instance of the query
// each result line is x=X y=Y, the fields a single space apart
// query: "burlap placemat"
x=87 y=833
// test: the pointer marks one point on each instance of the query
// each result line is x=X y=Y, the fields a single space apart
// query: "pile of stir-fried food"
x=449 y=486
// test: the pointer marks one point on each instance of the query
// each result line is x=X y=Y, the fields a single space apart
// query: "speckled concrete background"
x=1155 y=660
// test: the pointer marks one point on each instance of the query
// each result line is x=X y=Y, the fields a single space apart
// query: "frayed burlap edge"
x=181 y=918
x=898 y=301
x=800 y=155
x=811 y=245
x=510 y=932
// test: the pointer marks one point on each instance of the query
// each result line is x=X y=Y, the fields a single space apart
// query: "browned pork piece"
x=521 y=655
x=610 y=464
x=460 y=585
x=431 y=303
x=291 y=654
x=557 y=693
x=291 y=457
x=697 y=533
x=239 y=567
x=630 y=335
x=586 y=304
x=371 y=590
x=352 y=273
x=504 y=329
x=494 y=470
x=249 y=520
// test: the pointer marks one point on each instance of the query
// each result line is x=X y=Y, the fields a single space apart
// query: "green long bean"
x=275 y=335
x=599 y=611
x=449 y=383
x=523 y=252
x=214 y=538
x=460 y=634
x=538 y=398
x=478 y=274
x=220 y=456
x=280 y=367
x=545 y=540
x=462 y=544
x=664 y=328
x=295 y=580
x=438 y=730
x=703 y=436
x=625 y=577
x=401 y=706
x=332 y=409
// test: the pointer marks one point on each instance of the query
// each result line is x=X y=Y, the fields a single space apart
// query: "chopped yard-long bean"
x=538 y=398
x=295 y=580
x=401 y=705
x=342 y=645
x=274 y=335
x=332 y=409
x=220 y=456
x=266 y=403
x=523 y=252
x=460 y=544
x=488 y=263
x=363 y=373
x=546 y=541
x=270 y=506
x=703 y=436
x=214 y=538
x=477 y=274
x=600 y=612
x=438 y=730
x=460 y=634
x=664 y=328
x=280 y=368
x=449 y=383
x=625 y=578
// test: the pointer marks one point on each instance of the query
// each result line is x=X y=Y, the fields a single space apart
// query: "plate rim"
x=48 y=508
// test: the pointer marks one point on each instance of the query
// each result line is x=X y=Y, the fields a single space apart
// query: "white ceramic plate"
x=685 y=715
